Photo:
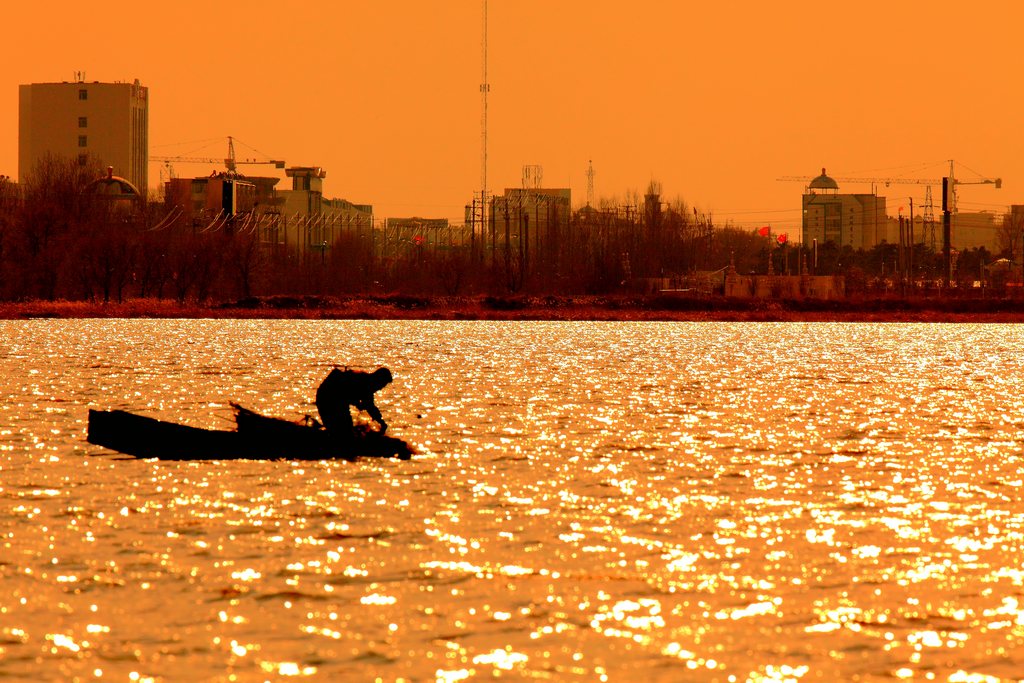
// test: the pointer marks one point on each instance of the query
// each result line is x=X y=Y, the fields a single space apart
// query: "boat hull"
x=257 y=438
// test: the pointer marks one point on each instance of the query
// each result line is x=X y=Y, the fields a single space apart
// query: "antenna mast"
x=485 y=87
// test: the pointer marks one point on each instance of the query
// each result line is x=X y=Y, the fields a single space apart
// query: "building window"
x=83 y=121
x=83 y=94
x=83 y=141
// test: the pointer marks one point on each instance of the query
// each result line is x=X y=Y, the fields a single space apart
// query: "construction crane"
x=998 y=182
x=954 y=181
x=929 y=211
x=949 y=203
x=230 y=162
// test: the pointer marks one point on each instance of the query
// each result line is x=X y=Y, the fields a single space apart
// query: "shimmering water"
x=591 y=501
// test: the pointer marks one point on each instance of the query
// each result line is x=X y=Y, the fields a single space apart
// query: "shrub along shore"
x=624 y=308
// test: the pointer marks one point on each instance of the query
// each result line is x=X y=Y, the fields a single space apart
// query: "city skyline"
x=713 y=105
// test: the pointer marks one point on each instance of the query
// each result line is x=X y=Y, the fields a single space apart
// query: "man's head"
x=381 y=378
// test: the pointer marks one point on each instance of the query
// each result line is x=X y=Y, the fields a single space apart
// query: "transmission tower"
x=485 y=87
x=590 y=183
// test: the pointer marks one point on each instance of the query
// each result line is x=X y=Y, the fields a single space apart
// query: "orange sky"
x=715 y=101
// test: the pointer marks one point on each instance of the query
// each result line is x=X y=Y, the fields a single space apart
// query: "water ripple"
x=593 y=501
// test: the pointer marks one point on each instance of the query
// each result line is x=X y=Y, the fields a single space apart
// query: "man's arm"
x=373 y=411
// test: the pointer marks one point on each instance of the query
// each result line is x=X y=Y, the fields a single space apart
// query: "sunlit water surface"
x=590 y=501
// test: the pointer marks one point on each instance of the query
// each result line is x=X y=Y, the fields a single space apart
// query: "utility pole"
x=590 y=183
x=947 y=236
x=910 y=254
x=471 y=213
x=929 y=216
x=900 y=261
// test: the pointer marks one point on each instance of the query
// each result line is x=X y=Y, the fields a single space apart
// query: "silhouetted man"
x=344 y=388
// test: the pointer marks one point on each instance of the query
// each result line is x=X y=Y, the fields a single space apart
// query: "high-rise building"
x=105 y=122
x=855 y=220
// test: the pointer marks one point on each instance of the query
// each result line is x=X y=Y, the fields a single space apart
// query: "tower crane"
x=929 y=211
x=949 y=203
x=953 y=181
x=998 y=182
x=230 y=162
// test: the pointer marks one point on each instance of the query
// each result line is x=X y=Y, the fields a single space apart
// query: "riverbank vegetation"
x=598 y=308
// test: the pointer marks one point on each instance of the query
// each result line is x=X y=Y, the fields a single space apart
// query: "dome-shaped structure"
x=112 y=187
x=823 y=182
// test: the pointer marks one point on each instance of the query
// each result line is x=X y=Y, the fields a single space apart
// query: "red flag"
x=765 y=231
x=783 y=238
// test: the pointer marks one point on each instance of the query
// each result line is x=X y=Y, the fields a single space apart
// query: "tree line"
x=58 y=240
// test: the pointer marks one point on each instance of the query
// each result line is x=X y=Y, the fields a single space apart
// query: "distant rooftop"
x=111 y=186
x=823 y=182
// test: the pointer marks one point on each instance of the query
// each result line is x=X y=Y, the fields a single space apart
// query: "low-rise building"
x=306 y=198
x=977 y=229
x=220 y=194
x=312 y=221
x=969 y=230
x=536 y=215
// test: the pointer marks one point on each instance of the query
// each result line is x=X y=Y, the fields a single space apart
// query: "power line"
x=189 y=142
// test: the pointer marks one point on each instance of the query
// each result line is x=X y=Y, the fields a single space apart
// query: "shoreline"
x=541 y=308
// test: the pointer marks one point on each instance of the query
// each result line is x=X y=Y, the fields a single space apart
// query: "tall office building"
x=855 y=220
x=106 y=122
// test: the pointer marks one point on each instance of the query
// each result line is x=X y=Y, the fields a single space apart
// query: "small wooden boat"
x=256 y=437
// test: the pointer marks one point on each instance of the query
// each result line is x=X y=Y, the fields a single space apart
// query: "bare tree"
x=152 y=263
x=1010 y=235
x=245 y=259
x=452 y=270
x=10 y=204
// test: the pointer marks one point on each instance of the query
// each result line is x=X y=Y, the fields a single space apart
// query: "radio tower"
x=485 y=87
